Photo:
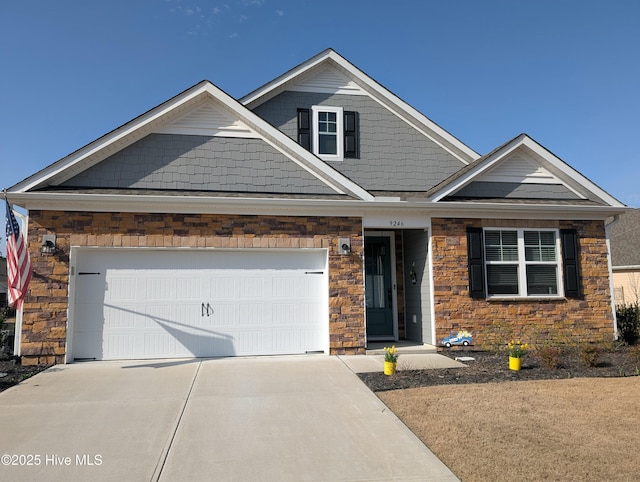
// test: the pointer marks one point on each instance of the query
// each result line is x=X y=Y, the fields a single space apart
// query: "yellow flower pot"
x=515 y=363
x=389 y=368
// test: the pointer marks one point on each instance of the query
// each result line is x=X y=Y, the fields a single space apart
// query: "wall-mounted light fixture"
x=344 y=246
x=48 y=244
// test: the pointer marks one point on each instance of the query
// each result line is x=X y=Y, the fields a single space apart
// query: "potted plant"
x=390 y=360
x=516 y=352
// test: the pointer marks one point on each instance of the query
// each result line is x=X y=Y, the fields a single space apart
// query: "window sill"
x=524 y=299
x=330 y=158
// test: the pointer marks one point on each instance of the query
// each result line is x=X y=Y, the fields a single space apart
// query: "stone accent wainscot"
x=45 y=309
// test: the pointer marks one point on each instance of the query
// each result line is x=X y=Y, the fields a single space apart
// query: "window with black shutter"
x=523 y=262
x=351 y=147
x=475 y=262
x=304 y=128
x=570 y=263
x=331 y=133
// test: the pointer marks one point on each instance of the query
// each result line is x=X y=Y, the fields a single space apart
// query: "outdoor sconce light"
x=344 y=246
x=48 y=244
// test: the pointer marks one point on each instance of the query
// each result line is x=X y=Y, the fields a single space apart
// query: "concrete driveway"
x=265 y=418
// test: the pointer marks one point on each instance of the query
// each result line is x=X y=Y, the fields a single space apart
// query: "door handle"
x=206 y=310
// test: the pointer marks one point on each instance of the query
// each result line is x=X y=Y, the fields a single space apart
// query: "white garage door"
x=144 y=303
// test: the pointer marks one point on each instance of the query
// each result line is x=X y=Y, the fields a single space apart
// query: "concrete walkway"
x=265 y=418
x=408 y=361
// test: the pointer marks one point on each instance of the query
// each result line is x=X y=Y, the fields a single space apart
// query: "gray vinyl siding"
x=418 y=295
x=200 y=163
x=514 y=190
x=393 y=155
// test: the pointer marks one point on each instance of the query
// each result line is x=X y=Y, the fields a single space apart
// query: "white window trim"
x=339 y=111
x=522 y=265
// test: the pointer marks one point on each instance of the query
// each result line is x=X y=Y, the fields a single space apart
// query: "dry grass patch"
x=571 y=430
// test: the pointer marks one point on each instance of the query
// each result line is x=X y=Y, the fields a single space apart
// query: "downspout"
x=607 y=228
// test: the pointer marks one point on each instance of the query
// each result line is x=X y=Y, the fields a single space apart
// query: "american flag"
x=18 y=262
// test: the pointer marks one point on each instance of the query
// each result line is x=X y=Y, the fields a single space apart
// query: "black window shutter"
x=570 y=263
x=475 y=250
x=304 y=128
x=350 y=134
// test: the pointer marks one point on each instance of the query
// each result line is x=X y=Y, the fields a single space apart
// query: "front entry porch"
x=397 y=287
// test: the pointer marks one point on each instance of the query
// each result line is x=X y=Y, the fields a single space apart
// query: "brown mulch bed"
x=15 y=372
x=489 y=367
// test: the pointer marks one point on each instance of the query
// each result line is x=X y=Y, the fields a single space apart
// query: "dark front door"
x=378 y=287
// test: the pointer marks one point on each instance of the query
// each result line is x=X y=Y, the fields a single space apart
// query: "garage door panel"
x=122 y=288
x=252 y=314
x=117 y=317
x=282 y=339
x=249 y=288
x=249 y=342
x=120 y=345
x=150 y=304
x=189 y=288
x=222 y=288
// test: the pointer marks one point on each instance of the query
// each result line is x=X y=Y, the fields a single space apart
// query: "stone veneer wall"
x=497 y=321
x=45 y=309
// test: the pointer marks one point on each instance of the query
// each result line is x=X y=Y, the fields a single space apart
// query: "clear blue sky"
x=566 y=72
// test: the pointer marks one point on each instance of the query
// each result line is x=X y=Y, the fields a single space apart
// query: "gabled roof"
x=524 y=161
x=227 y=117
x=328 y=68
x=625 y=240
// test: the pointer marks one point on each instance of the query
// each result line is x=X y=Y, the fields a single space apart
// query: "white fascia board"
x=185 y=204
x=523 y=211
x=483 y=166
x=390 y=97
x=269 y=133
x=108 y=139
x=570 y=172
x=378 y=92
x=524 y=140
x=239 y=205
x=632 y=267
x=251 y=97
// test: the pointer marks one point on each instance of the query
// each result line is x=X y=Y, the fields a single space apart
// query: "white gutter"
x=342 y=207
x=607 y=229
x=624 y=268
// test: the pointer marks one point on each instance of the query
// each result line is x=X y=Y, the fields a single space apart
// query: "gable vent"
x=328 y=81
x=518 y=168
x=208 y=120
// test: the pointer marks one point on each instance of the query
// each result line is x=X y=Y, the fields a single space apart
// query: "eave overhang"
x=60 y=201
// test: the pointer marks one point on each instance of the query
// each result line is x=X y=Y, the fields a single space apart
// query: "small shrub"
x=550 y=356
x=589 y=353
x=628 y=317
x=635 y=353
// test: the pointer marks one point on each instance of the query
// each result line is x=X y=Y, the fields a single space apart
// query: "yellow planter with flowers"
x=516 y=352
x=390 y=360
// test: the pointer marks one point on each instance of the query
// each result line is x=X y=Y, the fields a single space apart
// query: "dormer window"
x=329 y=132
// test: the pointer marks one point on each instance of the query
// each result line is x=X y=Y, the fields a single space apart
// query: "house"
x=318 y=213
x=625 y=258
